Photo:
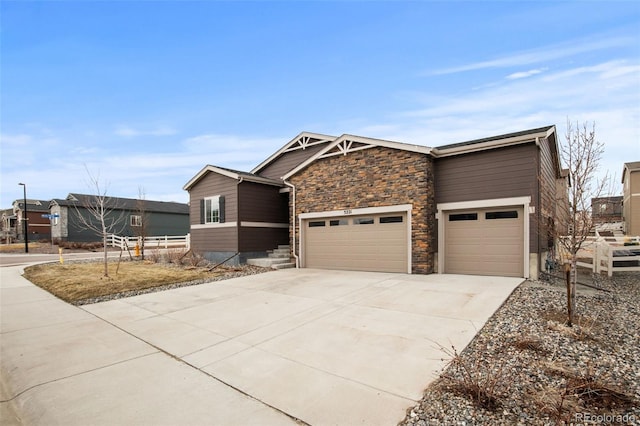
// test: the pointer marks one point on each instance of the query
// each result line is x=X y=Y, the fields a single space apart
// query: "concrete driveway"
x=316 y=346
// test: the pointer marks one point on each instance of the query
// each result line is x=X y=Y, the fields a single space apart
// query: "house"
x=606 y=210
x=631 y=198
x=131 y=217
x=38 y=227
x=479 y=207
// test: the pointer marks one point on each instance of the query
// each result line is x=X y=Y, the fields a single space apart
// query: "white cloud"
x=543 y=54
x=525 y=74
x=130 y=132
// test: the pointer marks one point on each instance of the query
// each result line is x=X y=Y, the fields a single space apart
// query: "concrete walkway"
x=321 y=347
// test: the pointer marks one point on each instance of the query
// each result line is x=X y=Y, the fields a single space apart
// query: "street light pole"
x=24 y=219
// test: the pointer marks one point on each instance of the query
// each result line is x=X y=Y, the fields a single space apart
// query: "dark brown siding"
x=263 y=203
x=547 y=201
x=497 y=173
x=262 y=239
x=211 y=185
x=214 y=239
x=210 y=240
x=288 y=161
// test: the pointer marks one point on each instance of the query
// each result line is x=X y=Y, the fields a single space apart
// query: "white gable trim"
x=213 y=169
x=301 y=141
x=345 y=144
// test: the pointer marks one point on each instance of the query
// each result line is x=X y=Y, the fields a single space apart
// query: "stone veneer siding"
x=373 y=177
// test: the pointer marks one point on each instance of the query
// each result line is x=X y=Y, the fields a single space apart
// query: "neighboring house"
x=39 y=228
x=131 y=216
x=8 y=230
x=606 y=209
x=480 y=207
x=631 y=198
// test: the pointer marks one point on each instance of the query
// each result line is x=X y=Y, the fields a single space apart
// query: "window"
x=391 y=219
x=338 y=222
x=363 y=221
x=136 y=220
x=213 y=209
x=316 y=224
x=511 y=214
x=463 y=216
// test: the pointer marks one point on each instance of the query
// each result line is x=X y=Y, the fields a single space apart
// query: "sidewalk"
x=62 y=365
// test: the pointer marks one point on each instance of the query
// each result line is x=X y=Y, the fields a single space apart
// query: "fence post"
x=595 y=266
x=610 y=264
x=166 y=242
x=188 y=241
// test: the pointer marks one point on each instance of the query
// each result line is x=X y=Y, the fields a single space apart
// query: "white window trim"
x=214 y=225
x=483 y=204
x=138 y=223
x=206 y=217
x=401 y=208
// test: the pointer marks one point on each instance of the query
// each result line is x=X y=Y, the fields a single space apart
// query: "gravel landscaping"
x=526 y=367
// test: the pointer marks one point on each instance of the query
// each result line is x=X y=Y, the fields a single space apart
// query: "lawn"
x=80 y=281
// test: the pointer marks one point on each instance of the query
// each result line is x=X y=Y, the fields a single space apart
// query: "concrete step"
x=284 y=265
x=268 y=262
x=280 y=253
x=284 y=247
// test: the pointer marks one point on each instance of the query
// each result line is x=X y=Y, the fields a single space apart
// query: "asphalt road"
x=15 y=259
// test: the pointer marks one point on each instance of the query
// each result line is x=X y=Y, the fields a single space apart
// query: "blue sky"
x=144 y=94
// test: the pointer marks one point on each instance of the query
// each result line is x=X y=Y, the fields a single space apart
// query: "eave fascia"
x=236 y=176
x=499 y=143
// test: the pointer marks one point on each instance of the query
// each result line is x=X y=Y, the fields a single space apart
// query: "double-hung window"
x=136 y=220
x=213 y=209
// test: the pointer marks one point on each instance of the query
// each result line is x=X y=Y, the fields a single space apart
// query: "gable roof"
x=633 y=166
x=32 y=205
x=233 y=174
x=301 y=141
x=118 y=203
x=350 y=143
x=494 y=141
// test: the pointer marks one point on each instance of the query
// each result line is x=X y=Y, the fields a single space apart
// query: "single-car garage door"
x=376 y=242
x=485 y=242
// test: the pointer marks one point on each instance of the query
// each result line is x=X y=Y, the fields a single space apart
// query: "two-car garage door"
x=485 y=241
x=374 y=242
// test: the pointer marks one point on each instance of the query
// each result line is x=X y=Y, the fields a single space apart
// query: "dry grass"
x=19 y=247
x=76 y=282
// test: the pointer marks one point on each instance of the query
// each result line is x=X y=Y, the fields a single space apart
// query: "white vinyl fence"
x=608 y=254
x=164 y=241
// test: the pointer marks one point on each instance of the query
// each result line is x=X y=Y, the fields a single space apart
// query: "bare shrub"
x=529 y=343
x=582 y=390
x=176 y=255
x=155 y=255
x=484 y=384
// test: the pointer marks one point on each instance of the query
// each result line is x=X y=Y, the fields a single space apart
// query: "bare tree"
x=141 y=226
x=103 y=217
x=581 y=153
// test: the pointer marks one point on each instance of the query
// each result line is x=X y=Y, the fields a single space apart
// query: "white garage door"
x=485 y=242
x=376 y=242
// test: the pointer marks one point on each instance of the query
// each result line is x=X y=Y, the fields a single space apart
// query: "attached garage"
x=359 y=241
x=477 y=239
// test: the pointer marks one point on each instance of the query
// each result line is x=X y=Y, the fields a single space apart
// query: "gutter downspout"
x=238 y=219
x=293 y=236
